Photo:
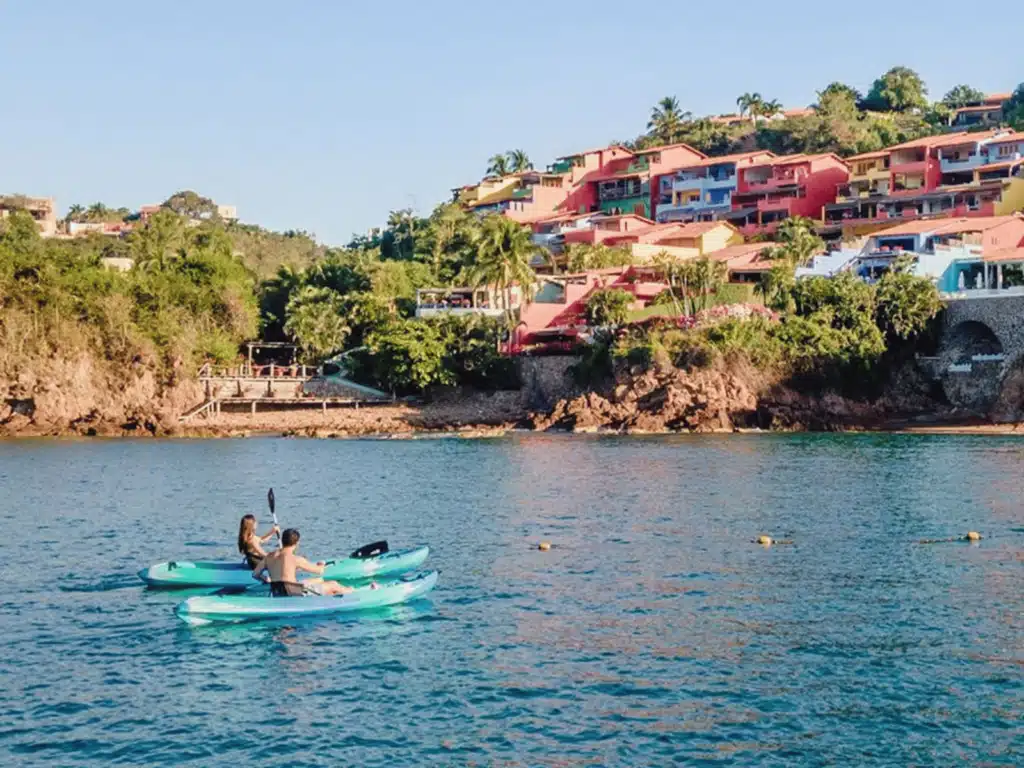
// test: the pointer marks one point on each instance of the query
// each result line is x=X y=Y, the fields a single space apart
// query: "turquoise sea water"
x=653 y=633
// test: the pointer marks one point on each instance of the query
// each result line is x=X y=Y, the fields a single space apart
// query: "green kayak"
x=256 y=604
x=186 y=573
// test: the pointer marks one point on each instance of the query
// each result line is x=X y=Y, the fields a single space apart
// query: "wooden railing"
x=246 y=371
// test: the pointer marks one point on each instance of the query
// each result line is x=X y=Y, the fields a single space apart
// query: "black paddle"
x=273 y=514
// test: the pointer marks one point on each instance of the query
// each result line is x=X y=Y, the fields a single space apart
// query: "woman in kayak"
x=250 y=544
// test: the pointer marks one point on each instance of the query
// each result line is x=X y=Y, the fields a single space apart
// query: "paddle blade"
x=370 y=550
x=270 y=500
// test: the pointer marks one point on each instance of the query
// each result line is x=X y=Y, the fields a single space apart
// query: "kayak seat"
x=287 y=589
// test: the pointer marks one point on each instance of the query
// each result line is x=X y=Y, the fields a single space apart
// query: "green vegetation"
x=838 y=333
x=513 y=161
x=1013 y=112
x=895 y=109
x=189 y=298
x=608 y=307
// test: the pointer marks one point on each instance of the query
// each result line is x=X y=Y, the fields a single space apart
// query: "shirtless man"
x=282 y=565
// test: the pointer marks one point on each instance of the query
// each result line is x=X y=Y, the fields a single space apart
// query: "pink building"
x=556 y=316
x=776 y=188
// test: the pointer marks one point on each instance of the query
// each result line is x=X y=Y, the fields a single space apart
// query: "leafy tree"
x=316 y=322
x=667 y=120
x=274 y=296
x=450 y=238
x=775 y=287
x=708 y=137
x=518 y=161
x=798 y=242
x=962 y=96
x=498 y=166
x=399 y=240
x=161 y=240
x=579 y=257
x=408 y=356
x=906 y=303
x=703 y=277
x=1013 y=109
x=842 y=90
x=503 y=260
x=191 y=205
x=900 y=89
x=608 y=307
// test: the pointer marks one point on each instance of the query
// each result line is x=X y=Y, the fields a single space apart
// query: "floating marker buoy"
x=973 y=536
x=544 y=546
x=764 y=540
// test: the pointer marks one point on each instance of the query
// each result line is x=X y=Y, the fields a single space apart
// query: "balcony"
x=671 y=212
x=909 y=166
x=776 y=203
x=562 y=166
x=873 y=173
x=967 y=163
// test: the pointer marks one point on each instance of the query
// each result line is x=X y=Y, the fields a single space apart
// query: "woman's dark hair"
x=246 y=529
x=290 y=537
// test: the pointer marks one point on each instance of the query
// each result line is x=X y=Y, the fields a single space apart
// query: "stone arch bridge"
x=981 y=353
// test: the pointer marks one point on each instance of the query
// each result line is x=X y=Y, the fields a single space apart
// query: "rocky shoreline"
x=721 y=399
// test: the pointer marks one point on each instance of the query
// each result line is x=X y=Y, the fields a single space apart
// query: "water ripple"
x=653 y=633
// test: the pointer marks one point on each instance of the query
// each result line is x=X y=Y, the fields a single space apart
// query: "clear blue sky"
x=325 y=114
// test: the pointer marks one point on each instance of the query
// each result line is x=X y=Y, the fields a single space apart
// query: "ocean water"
x=653 y=633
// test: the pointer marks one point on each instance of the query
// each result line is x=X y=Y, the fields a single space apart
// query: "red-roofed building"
x=960 y=174
x=988 y=111
x=776 y=188
x=625 y=184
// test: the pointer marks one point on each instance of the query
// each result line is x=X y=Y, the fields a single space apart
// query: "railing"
x=983 y=293
x=458 y=311
x=245 y=371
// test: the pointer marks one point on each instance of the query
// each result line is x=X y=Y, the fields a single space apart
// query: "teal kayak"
x=185 y=573
x=257 y=604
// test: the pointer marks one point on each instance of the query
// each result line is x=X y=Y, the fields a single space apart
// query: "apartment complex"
x=959 y=174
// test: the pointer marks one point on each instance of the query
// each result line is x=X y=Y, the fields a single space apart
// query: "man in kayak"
x=282 y=565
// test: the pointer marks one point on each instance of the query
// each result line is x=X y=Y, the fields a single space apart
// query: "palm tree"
x=750 y=104
x=798 y=242
x=402 y=225
x=769 y=109
x=96 y=212
x=518 y=161
x=667 y=120
x=705 y=276
x=503 y=261
x=498 y=166
x=74 y=213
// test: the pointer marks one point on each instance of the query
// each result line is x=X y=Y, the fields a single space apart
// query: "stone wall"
x=980 y=387
x=546 y=380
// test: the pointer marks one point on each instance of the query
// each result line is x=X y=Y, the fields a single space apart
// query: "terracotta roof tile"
x=1004 y=254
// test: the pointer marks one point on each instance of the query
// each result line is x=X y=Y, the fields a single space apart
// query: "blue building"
x=702 y=191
